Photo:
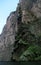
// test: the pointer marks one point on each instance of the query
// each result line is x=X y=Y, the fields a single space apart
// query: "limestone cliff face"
x=31 y=10
x=27 y=12
x=34 y=6
x=7 y=37
x=36 y=9
x=27 y=5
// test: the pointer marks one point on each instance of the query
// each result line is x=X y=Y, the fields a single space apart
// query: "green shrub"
x=32 y=53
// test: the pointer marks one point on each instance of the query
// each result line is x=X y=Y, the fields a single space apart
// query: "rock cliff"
x=22 y=30
x=7 y=37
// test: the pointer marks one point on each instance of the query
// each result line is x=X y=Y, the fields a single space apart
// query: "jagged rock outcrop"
x=22 y=29
x=7 y=37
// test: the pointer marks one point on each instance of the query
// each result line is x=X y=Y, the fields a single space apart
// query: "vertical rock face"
x=26 y=12
x=27 y=5
x=33 y=6
x=36 y=9
x=7 y=37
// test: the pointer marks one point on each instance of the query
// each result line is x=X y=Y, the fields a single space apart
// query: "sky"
x=6 y=6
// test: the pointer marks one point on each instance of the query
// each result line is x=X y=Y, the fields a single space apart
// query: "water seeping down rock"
x=22 y=31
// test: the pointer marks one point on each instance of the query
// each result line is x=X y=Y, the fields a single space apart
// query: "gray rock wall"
x=7 y=37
